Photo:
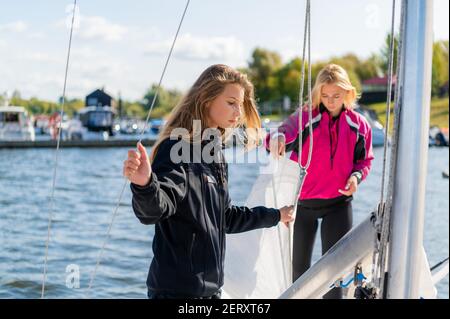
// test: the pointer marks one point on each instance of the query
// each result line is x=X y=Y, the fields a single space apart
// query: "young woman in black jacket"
x=182 y=187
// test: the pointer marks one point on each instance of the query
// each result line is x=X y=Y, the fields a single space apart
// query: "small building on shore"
x=374 y=90
x=100 y=98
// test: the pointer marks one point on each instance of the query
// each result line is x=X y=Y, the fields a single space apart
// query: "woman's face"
x=333 y=97
x=226 y=109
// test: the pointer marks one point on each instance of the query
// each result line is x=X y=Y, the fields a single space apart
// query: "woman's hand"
x=286 y=215
x=137 y=166
x=277 y=146
x=351 y=186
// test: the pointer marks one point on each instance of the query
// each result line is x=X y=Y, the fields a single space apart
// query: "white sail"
x=258 y=263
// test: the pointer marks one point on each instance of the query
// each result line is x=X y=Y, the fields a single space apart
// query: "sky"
x=122 y=45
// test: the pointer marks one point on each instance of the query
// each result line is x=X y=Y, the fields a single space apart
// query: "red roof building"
x=374 y=90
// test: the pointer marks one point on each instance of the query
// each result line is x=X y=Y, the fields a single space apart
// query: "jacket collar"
x=323 y=109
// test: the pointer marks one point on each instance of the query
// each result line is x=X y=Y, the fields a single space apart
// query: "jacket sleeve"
x=242 y=219
x=363 y=152
x=289 y=129
x=165 y=191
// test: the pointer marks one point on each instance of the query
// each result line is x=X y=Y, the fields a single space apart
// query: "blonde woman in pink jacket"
x=341 y=159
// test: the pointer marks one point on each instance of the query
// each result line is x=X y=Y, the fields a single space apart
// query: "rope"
x=393 y=160
x=381 y=206
x=386 y=217
x=389 y=98
x=306 y=42
x=439 y=264
x=303 y=169
x=61 y=113
x=140 y=139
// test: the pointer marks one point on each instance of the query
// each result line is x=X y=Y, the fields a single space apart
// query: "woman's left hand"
x=350 y=187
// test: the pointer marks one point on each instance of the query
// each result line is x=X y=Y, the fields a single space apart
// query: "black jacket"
x=190 y=206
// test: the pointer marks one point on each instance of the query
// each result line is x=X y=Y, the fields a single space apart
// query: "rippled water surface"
x=88 y=185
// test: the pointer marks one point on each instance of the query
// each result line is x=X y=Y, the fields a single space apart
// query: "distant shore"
x=439 y=115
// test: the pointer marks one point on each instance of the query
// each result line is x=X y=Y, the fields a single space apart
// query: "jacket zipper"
x=219 y=183
x=206 y=225
x=220 y=175
x=191 y=251
x=331 y=146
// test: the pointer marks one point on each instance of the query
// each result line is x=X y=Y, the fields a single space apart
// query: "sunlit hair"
x=193 y=106
x=334 y=74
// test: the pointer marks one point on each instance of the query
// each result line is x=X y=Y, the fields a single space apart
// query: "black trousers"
x=336 y=222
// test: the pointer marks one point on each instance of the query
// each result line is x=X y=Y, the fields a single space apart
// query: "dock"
x=76 y=143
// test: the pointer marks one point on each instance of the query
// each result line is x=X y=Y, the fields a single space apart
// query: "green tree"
x=289 y=77
x=369 y=68
x=440 y=67
x=134 y=110
x=73 y=105
x=165 y=101
x=262 y=69
x=350 y=63
x=36 y=106
x=385 y=53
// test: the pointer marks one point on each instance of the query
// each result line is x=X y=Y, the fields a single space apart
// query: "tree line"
x=273 y=80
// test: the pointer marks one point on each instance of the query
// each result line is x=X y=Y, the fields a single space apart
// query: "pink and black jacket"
x=342 y=147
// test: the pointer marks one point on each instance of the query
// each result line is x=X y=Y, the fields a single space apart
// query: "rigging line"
x=306 y=34
x=140 y=139
x=303 y=169
x=57 y=152
x=306 y=42
x=381 y=205
x=439 y=264
x=309 y=92
x=389 y=98
x=385 y=229
x=164 y=70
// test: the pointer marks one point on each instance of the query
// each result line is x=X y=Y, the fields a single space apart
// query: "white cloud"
x=80 y=87
x=85 y=52
x=16 y=26
x=98 y=28
x=139 y=34
x=201 y=48
x=441 y=21
x=35 y=83
x=40 y=57
x=37 y=35
x=42 y=72
x=91 y=69
x=40 y=80
x=290 y=47
x=95 y=64
x=97 y=69
x=95 y=28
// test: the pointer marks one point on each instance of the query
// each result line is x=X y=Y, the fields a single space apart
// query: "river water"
x=88 y=185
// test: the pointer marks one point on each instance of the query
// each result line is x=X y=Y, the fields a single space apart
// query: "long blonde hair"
x=193 y=106
x=334 y=74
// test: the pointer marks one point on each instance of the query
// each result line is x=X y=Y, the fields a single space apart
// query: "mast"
x=408 y=200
